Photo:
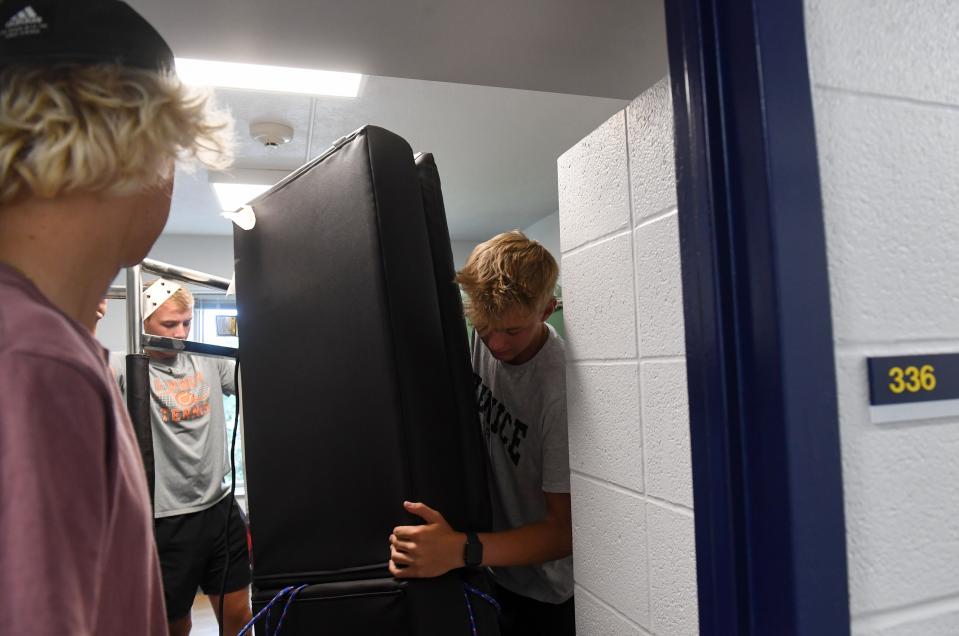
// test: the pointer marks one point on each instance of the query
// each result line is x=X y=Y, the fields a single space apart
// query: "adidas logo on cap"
x=25 y=16
x=23 y=22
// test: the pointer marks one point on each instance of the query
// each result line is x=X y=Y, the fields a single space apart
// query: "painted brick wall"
x=628 y=414
x=886 y=98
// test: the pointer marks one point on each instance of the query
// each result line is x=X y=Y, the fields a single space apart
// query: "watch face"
x=473 y=554
x=472 y=551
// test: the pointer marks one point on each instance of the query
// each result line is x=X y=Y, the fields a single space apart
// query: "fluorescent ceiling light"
x=234 y=196
x=281 y=79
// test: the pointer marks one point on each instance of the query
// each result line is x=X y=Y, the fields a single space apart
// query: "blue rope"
x=286 y=608
x=469 y=589
x=294 y=590
x=483 y=595
x=469 y=610
x=266 y=609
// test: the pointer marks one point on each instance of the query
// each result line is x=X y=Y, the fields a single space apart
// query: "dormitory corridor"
x=620 y=318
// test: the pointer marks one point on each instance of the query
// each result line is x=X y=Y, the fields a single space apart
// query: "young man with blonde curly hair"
x=520 y=372
x=92 y=119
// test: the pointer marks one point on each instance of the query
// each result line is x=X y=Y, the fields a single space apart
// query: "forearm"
x=539 y=542
x=435 y=548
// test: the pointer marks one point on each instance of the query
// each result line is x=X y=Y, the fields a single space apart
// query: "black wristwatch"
x=472 y=551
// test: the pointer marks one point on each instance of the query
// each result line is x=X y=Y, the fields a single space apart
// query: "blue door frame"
x=767 y=481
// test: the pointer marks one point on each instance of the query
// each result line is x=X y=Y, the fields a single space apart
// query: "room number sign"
x=913 y=387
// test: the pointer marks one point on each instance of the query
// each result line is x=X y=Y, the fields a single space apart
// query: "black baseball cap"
x=79 y=32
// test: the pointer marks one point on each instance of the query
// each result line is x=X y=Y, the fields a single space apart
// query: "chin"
x=137 y=252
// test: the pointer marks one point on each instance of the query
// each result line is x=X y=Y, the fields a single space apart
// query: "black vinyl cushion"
x=478 y=514
x=356 y=391
x=341 y=609
x=385 y=607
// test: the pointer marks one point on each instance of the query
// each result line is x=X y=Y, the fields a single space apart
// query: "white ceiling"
x=496 y=148
x=496 y=145
x=604 y=48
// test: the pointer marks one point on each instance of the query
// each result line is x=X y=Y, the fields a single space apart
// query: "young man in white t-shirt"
x=520 y=379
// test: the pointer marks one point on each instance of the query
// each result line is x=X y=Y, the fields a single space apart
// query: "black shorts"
x=192 y=555
x=522 y=616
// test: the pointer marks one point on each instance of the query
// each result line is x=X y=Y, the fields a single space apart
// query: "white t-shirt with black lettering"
x=523 y=417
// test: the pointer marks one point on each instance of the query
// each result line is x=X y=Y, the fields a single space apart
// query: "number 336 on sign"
x=912 y=379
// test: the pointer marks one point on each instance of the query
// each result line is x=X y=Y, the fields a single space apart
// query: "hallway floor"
x=204 y=620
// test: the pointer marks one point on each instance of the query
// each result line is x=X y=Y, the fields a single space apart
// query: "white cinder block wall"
x=633 y=537
x=886 y=97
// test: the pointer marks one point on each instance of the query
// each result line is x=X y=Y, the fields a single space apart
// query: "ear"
x=550 y=308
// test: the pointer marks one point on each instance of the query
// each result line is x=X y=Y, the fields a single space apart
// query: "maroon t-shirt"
x=76 y=532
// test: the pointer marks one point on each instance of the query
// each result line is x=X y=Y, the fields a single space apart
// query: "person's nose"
x=181 y=332
x=496 y=342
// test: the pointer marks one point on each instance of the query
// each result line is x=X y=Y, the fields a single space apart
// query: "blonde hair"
x=182 y=298
x=507 y=273
x=100 y=128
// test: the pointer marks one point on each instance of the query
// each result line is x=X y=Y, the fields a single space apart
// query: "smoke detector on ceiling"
x=271 y=134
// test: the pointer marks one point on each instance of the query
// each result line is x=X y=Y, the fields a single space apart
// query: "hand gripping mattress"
x=357 y=392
